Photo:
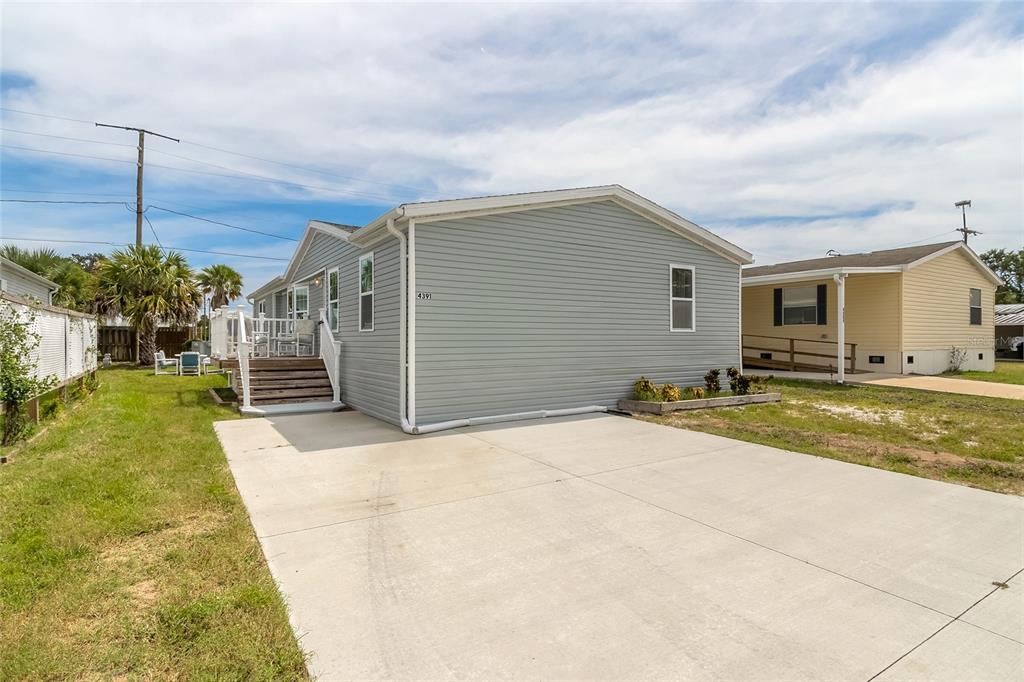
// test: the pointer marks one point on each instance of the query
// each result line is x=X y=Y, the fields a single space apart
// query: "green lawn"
x=125 y=551
x=964 y=439
x=1006 y=373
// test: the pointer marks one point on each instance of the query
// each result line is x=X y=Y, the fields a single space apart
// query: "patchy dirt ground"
x=973 y=441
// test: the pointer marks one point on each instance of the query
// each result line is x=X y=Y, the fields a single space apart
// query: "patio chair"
x=160 y=361
x=190 y=363
x=305 y=331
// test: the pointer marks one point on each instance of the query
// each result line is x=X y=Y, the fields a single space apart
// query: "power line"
x=64 y=137
x=272 y=181
x=49 y=151
x=217 y=222
x=153 y=230
x=173 y=248
x=159 y=208
x=227 y=151
x=38 y=191
x=55 y=201
x=36 y=113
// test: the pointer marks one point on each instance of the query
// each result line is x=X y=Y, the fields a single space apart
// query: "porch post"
x=841 y=324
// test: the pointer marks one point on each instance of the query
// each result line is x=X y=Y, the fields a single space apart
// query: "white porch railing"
x=243 y=359
x=330 y=353
x=266 y=336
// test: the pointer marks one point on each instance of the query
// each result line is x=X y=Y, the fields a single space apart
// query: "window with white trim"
x=332 y=298
x=263 y=308
x=681 y=299
x=975 y=306
x=366 y=292
x=800 y=305
x=300 y=309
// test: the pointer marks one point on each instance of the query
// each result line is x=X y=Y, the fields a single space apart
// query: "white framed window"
x=366 y=292
x=800 y=305
x=332 y=298
x=299 y=303
x=262 y=308
x=975 y=306
x=682 y=301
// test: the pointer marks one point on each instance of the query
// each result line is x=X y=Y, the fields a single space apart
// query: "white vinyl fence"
x=67 y=345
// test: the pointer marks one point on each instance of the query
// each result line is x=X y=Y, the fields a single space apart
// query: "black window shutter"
x=778 y=307
x=822 y=304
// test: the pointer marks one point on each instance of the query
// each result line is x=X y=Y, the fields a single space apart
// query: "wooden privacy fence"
x=120 y=342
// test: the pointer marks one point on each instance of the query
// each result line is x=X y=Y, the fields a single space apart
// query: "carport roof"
x=1009 y=313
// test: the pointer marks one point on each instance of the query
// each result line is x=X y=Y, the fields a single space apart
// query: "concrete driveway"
x=605 y=547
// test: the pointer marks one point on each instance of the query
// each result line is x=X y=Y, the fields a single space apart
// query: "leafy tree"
x=148 y=288
x=18 y=380
x=223 y=282
x=88 y=261
x=77 y=284
x=1009 y=265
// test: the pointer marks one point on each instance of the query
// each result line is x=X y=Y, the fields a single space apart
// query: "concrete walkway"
x=938 y=384
x=951 y=385
x=603 y=547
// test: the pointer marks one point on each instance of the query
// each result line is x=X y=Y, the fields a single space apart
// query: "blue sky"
x=788 y=129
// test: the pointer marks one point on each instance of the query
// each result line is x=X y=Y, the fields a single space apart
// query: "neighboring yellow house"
x=905 y=311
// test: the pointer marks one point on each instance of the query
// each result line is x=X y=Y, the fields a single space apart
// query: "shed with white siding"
x=460 y=311
x=20 y=281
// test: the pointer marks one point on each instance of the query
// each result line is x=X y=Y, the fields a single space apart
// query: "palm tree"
x=77 y=285
x=223 y=282
x=149 y=287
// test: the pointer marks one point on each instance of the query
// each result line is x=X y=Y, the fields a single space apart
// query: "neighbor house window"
x=681 y=298
x=366 y=292
x=800 y=305
x=300 y=308
x=263 y=308
x=975 y=306
x=332 y=298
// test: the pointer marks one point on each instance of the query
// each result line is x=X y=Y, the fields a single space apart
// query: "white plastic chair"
x=160 y=361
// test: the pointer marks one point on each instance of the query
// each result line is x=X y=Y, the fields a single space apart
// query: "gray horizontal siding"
x=369 y=360
x=558 y=308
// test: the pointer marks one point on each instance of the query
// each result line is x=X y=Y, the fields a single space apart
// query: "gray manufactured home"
x=454 y=312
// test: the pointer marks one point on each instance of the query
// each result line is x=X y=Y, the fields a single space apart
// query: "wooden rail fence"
x=789 y=351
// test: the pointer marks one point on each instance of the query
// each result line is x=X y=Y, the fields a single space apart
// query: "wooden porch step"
x=283 y=401
x=275 y=394
x=262 y=375
x=257 y=386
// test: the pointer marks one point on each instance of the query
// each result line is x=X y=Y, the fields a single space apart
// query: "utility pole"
x=963 y=206
x=138 y=176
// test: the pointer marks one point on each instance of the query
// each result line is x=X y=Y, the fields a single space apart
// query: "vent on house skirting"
x=981 y=356
x=876 y=359
x=766 y=356
x=910 y=359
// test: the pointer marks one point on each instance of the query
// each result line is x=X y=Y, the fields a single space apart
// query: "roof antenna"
x=833 y=253
x=963 y=206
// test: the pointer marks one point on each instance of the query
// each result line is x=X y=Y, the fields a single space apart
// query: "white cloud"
x=875 y=118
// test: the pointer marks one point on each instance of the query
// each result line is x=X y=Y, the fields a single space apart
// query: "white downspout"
x=841 y=324
x=402 y=323
x=410 y=350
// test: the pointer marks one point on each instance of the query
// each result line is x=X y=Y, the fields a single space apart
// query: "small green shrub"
x=711 y=381
x=644 y=389
x=739 y=384
x=670 y=393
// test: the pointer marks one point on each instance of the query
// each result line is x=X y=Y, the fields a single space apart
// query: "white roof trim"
x=825 y=273
x=458 y=208
x=312 y=228
x=36 y=277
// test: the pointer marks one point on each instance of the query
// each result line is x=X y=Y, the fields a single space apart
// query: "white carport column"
x=841 y=324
